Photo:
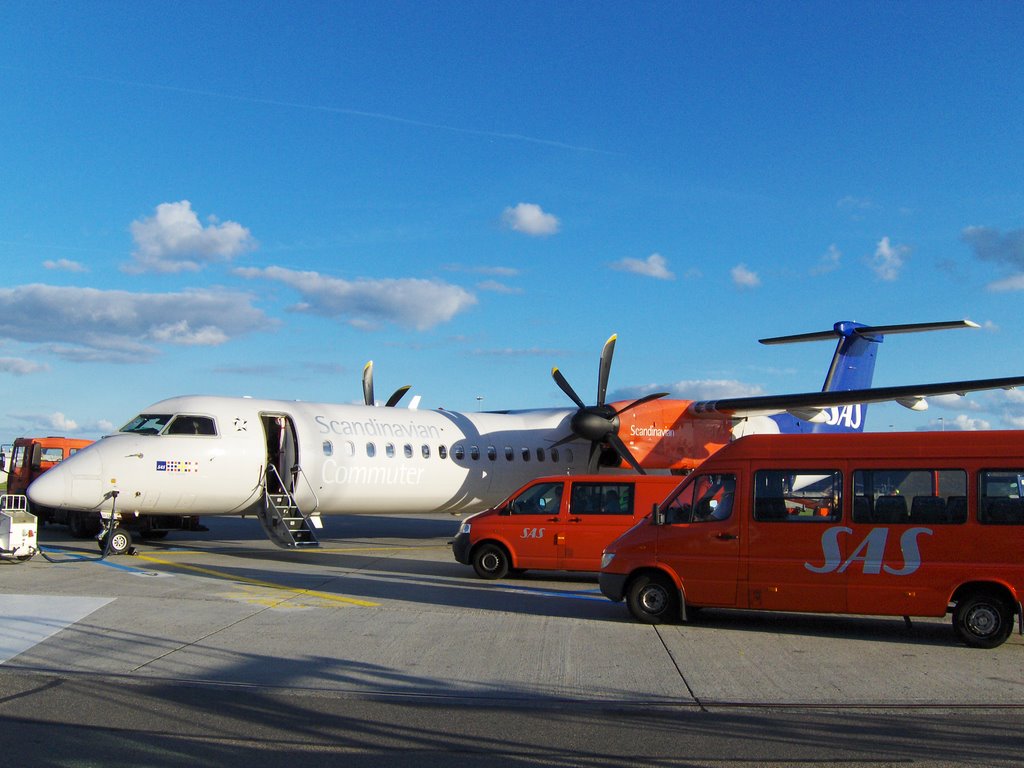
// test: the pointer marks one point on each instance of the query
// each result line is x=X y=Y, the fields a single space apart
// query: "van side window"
x=910 y=496
x=601 y=499
x=708 y=498
x=540 y=499
x=798 y=496
x=1000 y=497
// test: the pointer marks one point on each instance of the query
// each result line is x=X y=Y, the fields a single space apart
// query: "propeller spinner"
x=397 y=395
x=600 y=423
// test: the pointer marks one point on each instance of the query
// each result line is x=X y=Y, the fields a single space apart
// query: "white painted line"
x=27 y=620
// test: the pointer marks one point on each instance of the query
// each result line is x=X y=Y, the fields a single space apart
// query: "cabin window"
x=407 y=450
x=568 y=455
x=540 y=454
x=509 y=453
x=371 y=450
x=389 y=449
x=910 y=496
x=707 y=499
x=328 y=448
x=554 y=455
x=526 y=454
x=798 y=495
x=426 y=451
x=1000 y=497
x=474 y=453
x=442 y=452
x=350 y=448
x=458 y=452
x=191 y=425
x=492 y=452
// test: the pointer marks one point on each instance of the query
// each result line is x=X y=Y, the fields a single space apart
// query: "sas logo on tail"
x=848 y=416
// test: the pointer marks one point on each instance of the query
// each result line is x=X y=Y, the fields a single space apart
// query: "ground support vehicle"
x=914 y=524
x=18 y=531
x=559 y=523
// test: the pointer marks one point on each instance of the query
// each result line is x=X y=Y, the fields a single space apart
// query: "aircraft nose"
x=73 y=484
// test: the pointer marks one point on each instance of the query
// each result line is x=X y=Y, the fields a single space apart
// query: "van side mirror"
x=657 y=515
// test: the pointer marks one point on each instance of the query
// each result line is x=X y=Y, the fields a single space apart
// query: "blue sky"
x=257 y=198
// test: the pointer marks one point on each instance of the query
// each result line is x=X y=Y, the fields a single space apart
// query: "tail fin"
x=853 y=367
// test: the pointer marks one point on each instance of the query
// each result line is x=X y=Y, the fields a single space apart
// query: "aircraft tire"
x=983 y=619
x=652 y=598
x=120 y=542
x=490 y=561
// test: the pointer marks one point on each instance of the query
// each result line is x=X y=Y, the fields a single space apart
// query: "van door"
x=597 y=514
x=537 y=524
x=700 y=540
x=796 y=542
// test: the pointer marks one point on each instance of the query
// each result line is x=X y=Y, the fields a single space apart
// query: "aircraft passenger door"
x=282 y=453
x=597 y=514
x=537 y=526
x=701 y=539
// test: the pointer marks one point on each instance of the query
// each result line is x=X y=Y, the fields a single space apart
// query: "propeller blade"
x=616 y=442
x=397 y=395
x=368 y=383
x=566 y=387
x=605 y=368
x=564 y=440
x=641 y=401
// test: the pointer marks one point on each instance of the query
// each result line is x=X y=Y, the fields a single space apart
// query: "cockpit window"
x=192 y=425
x=148 y=423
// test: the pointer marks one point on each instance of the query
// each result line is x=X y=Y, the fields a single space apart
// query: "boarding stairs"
x=282 y=520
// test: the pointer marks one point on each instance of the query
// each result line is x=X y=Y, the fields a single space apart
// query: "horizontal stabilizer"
x=869 y=331
x=764 y=405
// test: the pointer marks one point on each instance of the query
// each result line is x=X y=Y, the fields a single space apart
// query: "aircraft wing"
x=809 y=404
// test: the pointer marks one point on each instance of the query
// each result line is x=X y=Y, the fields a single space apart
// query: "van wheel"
x=652 y=599
x=490 y=561
x=983 y=620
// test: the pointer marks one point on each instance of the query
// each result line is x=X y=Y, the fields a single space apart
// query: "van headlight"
x=606 y=559
x=464 y=528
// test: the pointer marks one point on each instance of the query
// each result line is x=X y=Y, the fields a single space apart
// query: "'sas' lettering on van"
x=870 y=552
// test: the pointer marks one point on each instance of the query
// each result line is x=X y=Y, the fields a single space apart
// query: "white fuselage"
x=335 y=459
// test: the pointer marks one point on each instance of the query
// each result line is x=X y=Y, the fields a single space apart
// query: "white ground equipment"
x=17 y=528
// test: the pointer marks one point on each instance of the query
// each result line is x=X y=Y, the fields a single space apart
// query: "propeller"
x=397 y=395
x=600 y=423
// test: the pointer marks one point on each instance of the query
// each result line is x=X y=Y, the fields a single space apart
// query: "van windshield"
x=148 y=423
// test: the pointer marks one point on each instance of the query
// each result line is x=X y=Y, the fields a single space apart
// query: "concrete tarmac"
x=201 y=633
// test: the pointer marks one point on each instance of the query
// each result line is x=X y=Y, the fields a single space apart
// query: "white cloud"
x=692 y=389
x=743 y=277
x=829 y=262
x=888 y=260
x=65 y=265
x=61 y=423
x=87 y=324
x=655 y=266
x=960 y=423
x=20 y=367
x=173 y=240
x=1012 y=283
x=410 y=302
x=497 y=287
x=530 y=219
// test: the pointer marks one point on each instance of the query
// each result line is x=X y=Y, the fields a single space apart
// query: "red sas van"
x=557 y=523
x=911 y=524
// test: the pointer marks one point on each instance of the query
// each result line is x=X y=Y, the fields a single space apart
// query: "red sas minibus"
x=897 y=524
x=558 y=523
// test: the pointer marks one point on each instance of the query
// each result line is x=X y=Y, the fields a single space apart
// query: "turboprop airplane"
x=288 y=462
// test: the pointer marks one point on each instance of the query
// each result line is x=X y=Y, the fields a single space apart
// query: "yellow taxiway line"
x=258 y=582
